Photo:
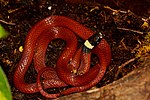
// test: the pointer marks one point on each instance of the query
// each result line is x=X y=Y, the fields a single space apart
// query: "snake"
x=73 y=66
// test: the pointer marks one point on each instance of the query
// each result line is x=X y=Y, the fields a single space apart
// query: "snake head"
x=92 y=41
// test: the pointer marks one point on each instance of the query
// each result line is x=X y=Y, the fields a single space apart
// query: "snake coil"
x=73 y=65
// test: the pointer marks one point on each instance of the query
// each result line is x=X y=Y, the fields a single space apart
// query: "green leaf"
x=5 y=92
x=3 y=32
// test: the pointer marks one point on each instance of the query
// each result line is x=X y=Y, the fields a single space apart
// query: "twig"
x=14 y=10
x=123 y=44
x=114 y=10
x=125 y=29
x=123 y=65
x=53 y=12
x=8 y=23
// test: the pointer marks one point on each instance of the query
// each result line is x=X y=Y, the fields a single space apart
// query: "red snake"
x=73 y=65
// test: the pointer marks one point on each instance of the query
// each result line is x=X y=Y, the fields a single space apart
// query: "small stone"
x=21 y=48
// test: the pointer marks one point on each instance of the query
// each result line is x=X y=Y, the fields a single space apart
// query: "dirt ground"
x=124 y=31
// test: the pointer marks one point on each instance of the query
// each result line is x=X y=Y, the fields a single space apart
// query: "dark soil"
x=25 y=13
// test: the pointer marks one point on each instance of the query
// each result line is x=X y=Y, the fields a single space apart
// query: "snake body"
x=73 y=65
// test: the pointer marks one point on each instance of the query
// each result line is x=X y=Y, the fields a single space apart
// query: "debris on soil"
x=124 y=31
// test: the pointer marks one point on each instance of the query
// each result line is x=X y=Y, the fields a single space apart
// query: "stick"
x=8 y=23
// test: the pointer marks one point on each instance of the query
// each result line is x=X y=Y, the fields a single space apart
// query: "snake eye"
x=92 y=41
